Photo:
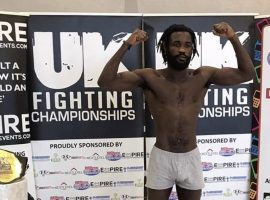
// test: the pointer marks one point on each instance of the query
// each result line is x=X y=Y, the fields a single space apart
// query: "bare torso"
x=175 y=105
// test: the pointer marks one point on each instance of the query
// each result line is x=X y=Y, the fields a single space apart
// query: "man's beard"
x=175 y=62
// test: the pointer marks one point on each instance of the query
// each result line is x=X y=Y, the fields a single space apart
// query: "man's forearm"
x=244 y=61
x=109 y=72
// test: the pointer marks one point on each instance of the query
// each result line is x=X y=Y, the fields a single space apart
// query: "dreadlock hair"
x=163 y=43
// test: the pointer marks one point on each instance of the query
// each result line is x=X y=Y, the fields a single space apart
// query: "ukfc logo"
x=207 y=166
x=113 y=156
x=81 y=185
x=226 y=151
x=91 y=171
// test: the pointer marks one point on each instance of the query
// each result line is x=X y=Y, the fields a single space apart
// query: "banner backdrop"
x=88 y=143
x=224 y=126
x=14 y=113
x=82 y=135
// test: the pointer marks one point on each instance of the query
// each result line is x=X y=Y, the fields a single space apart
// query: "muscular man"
x=175 y=96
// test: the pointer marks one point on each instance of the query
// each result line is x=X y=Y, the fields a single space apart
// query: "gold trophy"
x=12 y=167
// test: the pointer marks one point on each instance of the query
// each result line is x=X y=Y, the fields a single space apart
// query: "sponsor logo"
x=242 y=151
x=55 y=158
x=240 y=192
x=226 y=151
x=96 y=156
x=41 y=158
x=209 y=152
x=216 y=179
x=231 y=165
x=124 y=183
x=57 y=198
x=102 y=184
x=207 y=166
x=133 y=155
x=238 y=178
x=127 y=197
x=68 y=157
x=91 y=171
x=104 y=197
x=227 y=193
x=81 y=185
x=115 y=197
x=139 y=183
x=73 y=171
x=113 y=156
x=63 y=186
x=112 y=169
x=135 y=169
x=212 y=193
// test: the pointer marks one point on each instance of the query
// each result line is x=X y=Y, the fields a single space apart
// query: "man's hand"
x=137 y=37
x=223 y=29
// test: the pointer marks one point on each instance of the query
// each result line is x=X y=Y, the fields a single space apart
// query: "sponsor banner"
x=227 y=109
x=14 y=112
x=14 y=116
x=225 y=165
x=264 y=155
x=67 y=56
x=89 y=168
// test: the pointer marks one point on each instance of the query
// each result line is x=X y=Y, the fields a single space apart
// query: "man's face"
x=179 y=50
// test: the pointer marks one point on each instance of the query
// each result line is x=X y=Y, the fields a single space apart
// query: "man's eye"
x=188 y=45
x=176 y=45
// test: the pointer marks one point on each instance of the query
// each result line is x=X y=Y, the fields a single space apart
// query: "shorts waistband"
x=168 y=153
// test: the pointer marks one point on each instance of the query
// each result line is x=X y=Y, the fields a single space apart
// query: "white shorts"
x=166 y=169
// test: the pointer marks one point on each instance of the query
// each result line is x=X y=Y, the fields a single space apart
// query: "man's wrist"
x=233 y=36
x=126 y=43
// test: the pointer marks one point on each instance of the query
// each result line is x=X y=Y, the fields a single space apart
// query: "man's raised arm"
x=109 y=78
x=245 y=70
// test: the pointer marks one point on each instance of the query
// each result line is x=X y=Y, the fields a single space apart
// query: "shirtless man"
x=175 y=96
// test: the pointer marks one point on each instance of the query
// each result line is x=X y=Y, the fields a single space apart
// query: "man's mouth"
x=181 y=58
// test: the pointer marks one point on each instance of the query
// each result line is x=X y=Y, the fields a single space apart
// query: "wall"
x=261 y=7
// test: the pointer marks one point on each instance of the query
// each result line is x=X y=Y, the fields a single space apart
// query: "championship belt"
x=12 y=167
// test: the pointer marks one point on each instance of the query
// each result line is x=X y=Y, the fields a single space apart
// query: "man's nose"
x=182 y=50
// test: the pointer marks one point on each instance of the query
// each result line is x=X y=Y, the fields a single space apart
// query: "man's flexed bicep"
x=124 y=81
x=227 y=75
x=109 y=78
